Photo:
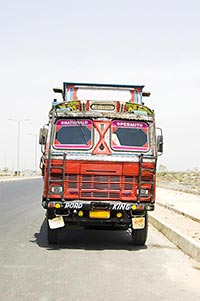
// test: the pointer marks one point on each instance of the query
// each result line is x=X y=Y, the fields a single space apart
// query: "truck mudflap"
x=117 y=214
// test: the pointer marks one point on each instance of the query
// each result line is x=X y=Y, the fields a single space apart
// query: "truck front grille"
x=99 y=186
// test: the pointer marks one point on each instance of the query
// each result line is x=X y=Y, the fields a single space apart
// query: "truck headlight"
x=143 y=192
x=56 y=189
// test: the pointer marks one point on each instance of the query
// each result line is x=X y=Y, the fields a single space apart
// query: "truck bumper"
x=87 y=214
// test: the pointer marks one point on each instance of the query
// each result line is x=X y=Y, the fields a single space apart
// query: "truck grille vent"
x=100 y=187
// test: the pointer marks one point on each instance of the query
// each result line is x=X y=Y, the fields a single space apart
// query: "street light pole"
x=18 y=140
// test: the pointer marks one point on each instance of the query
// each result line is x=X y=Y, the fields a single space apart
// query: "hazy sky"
x=155 y=43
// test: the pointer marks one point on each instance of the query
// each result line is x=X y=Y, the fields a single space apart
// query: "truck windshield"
x=129 y=135
x=73 y=134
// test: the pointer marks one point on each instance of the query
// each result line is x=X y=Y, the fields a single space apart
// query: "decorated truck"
x=99 y=155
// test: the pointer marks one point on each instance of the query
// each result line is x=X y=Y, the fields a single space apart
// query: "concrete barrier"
x=187 y=244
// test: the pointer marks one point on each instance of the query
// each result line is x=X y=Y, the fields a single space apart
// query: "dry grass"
x=184 y=181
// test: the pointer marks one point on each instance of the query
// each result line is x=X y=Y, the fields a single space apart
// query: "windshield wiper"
x=82 y=130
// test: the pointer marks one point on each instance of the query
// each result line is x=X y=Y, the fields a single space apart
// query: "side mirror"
x=57 y=90
x=43 y=136
x=146 y=94
x=159 y=142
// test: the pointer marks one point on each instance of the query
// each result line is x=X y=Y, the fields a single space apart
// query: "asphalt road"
x=87 y=265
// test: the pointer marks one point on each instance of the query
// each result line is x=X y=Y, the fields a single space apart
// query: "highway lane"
x=86 y=265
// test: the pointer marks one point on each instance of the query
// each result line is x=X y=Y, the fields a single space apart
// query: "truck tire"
x=139 y=236
x=52 y=235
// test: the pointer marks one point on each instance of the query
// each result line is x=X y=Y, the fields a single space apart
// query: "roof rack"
x=70 y=90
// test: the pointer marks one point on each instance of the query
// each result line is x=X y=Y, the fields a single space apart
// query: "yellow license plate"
x=138 y=222
x=99 y=214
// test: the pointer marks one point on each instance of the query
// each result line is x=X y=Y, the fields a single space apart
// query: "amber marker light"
x=140 y=207
x=80 y=213
x=119 y=215
x=134 y=207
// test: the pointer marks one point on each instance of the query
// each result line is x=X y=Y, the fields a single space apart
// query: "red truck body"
x=99 y=161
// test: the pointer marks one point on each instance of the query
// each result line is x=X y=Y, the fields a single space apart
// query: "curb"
x=14 y=179
x=182 y=241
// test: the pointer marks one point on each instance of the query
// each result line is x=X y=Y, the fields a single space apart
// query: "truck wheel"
x=52 y=235
x=139 y=236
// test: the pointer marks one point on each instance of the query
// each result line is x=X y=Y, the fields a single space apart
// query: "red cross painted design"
x=102 y=128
